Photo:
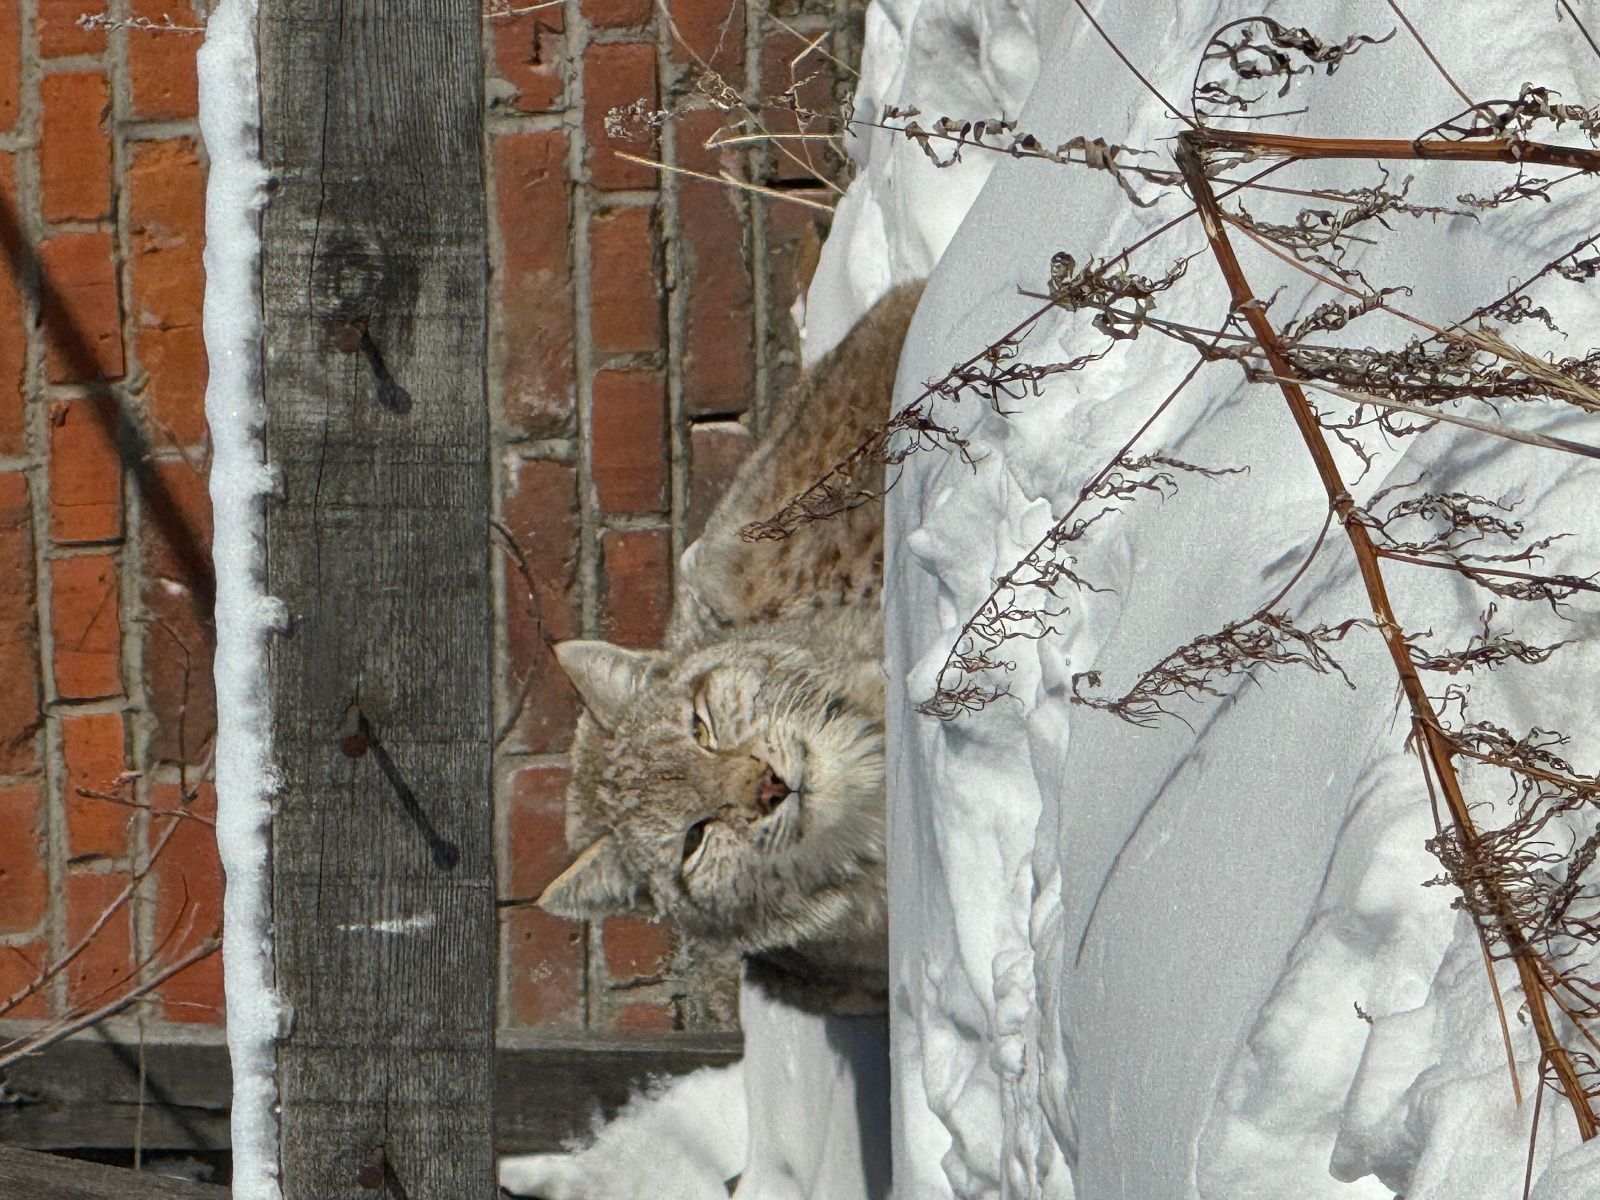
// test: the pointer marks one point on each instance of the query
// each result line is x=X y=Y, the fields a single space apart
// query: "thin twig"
x=49 y=1037
x=1581 y=27
x=1544 y=441
x=1172 y=108
x=1428 y=50
x=111 y=910
x=727 y=180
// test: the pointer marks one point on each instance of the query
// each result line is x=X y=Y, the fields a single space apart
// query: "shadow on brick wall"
x=117 y=424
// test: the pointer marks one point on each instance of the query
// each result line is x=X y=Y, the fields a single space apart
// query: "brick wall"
x=106 y=707
x=639 y=335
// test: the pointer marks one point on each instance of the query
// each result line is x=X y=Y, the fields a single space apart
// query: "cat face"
x=736 y=788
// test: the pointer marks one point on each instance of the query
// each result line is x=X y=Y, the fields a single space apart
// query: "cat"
x=733 y=781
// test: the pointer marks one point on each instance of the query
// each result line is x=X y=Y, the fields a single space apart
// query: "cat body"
x=733 y=781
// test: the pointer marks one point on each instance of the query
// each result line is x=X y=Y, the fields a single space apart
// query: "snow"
x=1127 y=961
x=244 y=614
x=800 y=1118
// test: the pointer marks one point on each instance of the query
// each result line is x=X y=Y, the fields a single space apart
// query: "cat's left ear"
x=607 y=677
x=597 y=884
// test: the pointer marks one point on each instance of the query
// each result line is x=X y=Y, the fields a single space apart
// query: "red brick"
x=544 y=957
x=161 y=62
x=106 y=964
x=188 y=902
x=178 y=596
x=85 y=471
x=528 y=56
x=618 y=75
x=533 y=292
x=646 y=1017
x=59 y=31
x=19 y=967
x=10 y=70
x=545 y=954
x=92 y=747
x=800 y=99
x=13 y=331
x=635 y=948
x=166 y=226
x=540 y=511
x=81 y=313
x=86 y=627
x=23 y=881
x=536 y=840
x=719 y=329
x=74 y=147
x=20 y=714
x=625 y=288
x=794 y=242
x=710 y=33
x=628 y=439
x=614 y=14
x=638 y=585
x=700 y=148
x=177 y=524
x=715 y=452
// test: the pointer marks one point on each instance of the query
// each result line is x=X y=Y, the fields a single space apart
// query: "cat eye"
x=702 y=733
x=705 y=735
x=693 y=840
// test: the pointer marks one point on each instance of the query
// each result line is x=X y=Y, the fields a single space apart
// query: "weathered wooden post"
x=373 y=265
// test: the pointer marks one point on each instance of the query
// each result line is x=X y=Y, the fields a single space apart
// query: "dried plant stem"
x=1190 y=155
x=1583 y=29
x=1500 y=1012
x=1441 y=564
x=1432 y=57
x=1478 y=150
x=48 y=1037
x=1544 y=441
x=726 y=181
x=1137 y=74
x=111 y=910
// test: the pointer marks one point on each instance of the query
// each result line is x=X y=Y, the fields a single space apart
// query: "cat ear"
x=595 y=885
x=607 y=677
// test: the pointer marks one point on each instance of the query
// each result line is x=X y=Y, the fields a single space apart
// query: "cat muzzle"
x=771 y=791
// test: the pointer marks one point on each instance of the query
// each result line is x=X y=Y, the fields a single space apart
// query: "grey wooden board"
x=373 y=294
x=27 y=1175
x=82 y=1094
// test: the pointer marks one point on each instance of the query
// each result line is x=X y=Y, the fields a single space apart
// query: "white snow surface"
x=1126 y=962
x=802 y=1117
x=234 y=192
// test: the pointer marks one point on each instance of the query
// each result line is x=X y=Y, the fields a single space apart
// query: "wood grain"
x=84 y=1093
x=373 y=294
x=27 y=1173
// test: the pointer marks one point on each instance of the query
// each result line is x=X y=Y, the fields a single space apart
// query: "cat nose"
x=771 y=791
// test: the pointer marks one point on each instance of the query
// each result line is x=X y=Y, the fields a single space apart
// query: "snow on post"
x=234 y=193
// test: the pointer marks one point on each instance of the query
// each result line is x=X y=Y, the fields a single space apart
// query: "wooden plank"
x=85 y=1094
x=82 y=1094
x=548 y=1092
x=373 y=292
x=26 y=1173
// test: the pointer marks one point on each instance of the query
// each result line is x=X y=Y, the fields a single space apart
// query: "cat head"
x=736 y=788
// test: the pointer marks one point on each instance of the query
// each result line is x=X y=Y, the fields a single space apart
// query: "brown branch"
x=1478 y=150
x=1190 y=156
